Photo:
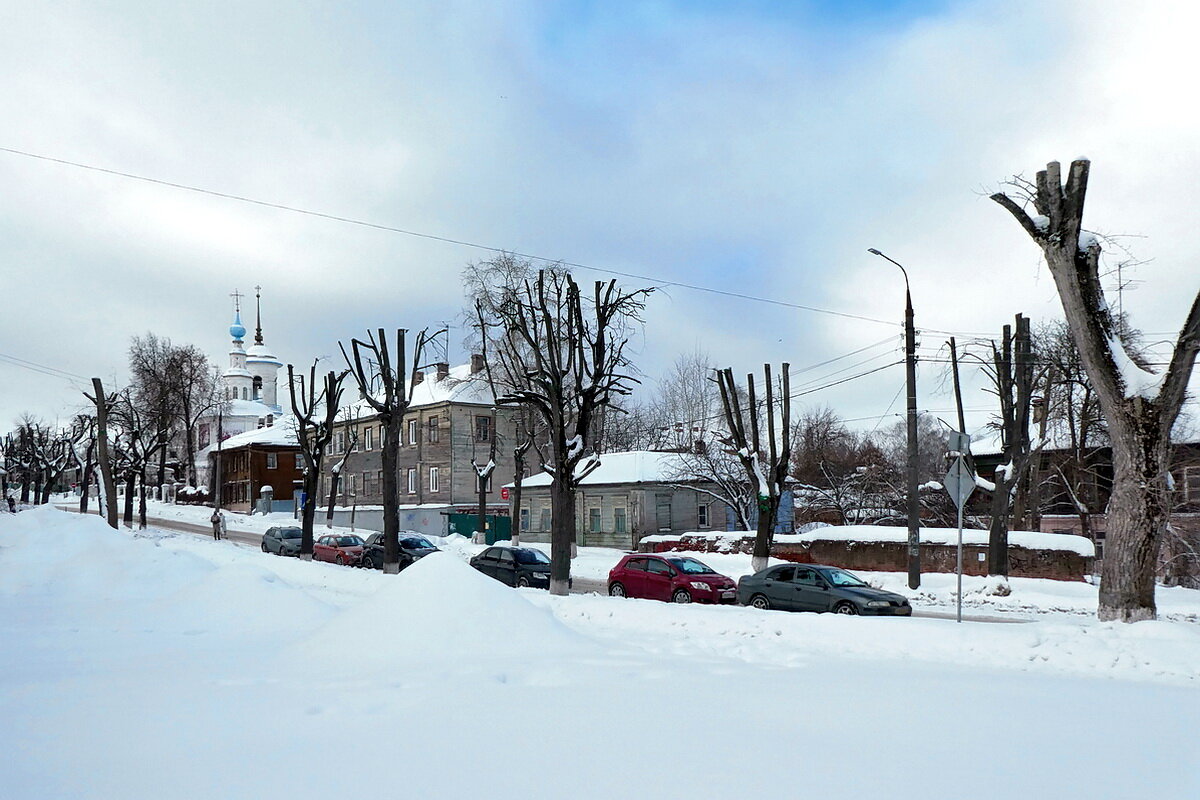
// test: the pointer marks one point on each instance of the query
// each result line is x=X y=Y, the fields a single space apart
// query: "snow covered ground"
x=160 y=665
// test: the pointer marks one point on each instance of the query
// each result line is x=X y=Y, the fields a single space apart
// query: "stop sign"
x=503 y=492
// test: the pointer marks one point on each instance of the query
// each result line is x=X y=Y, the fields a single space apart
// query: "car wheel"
x=264 y=547
x=681 y=596
x=341 y=560
x=523 y=582
x=617 y=590
x=846 y=608
x=760 y=601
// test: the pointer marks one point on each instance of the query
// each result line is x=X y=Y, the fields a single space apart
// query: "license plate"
x=726 y=595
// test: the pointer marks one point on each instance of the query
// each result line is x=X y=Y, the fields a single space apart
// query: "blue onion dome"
x=237 y=330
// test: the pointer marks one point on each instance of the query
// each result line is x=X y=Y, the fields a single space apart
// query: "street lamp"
x=910 y=369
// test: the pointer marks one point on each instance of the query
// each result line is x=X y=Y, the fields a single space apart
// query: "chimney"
x=418 y=377
x=476 y=363
x=443 y=370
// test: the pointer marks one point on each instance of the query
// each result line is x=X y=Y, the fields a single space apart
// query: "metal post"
x=960 y=529
x=910 y=369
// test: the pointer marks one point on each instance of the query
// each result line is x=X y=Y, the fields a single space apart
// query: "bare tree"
x=140 y=436
x=83 y=452
x=565 y=356
x=314 y=415
x=1013 y=375
x=768 y=483
x=104 y=404
x=385 y=384
x=335 y=472
x=1140 y=406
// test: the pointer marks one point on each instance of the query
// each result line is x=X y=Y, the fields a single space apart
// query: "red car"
x=677 y=578
x=341 y=548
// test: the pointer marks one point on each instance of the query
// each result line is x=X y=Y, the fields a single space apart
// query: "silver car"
x=282 y=541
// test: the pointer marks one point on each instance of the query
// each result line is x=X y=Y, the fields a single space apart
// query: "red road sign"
x=503 y=492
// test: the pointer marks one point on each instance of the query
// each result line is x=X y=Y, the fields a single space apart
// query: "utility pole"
x=910 y=370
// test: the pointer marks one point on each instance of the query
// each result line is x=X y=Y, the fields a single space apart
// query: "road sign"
x=959 y=442
x=503 y=492
x=959 y=483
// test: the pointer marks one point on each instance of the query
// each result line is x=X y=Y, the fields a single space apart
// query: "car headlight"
x=701 y=585
x=878 y=604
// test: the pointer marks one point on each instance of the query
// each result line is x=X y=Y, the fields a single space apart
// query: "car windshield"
x=690 y=566
x=416 y=543
x=289 y=533
x=348 y=541
x=531 y=557
x=839 y=577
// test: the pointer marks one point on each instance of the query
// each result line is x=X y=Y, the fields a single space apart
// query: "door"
x=781 y=588
x=811 y=596
x=634 y=577
x=506 y=568
x=487 y=562
x=658 y=580
x=321 y=549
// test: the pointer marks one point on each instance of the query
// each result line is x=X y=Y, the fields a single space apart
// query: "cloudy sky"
x=751 y=147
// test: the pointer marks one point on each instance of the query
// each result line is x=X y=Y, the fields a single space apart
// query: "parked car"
x=282 y=541
x=412 y=547
x=516 y=566
x=339 y=548
x=816 y=587
x=675 y=578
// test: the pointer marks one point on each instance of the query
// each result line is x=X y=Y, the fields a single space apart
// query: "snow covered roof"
x=281 y=434
x=260 y=353
x=249 y=408
x=459 y=386
x=637 y=466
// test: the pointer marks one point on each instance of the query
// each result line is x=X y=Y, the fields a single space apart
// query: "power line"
x=45 y=369
x=662 y=282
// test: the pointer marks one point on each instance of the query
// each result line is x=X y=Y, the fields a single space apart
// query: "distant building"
x=248 y=463
x=249 y=387
x=630 y=495
x=451 y=420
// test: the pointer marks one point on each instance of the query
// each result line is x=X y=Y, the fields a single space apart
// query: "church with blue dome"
x=250 y=382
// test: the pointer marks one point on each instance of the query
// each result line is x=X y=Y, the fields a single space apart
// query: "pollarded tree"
x=385 y=384
x=565 y=355
x=314 y=414
x=1140 y=406
x=752 y=447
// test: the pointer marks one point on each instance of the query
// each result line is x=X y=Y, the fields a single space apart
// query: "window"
x=270 y=420
x=545 y=520
x=203 y=436
x=412 y=431
x=368 y=483
x=806 y=576
x=272 y=461
x=433 y=430
x=483 y=429
x=366 y=439
x=662 y=510
x=594 y=520
x=412 y=481
x=299 y=462
x=524 y=519
x=506 y=557
x=619 y=523
x=257 y=385
x=656 y=567
x=245 y=393
x=783 y=574
x=702 y=515
x=636 y=564
x=339 y=442
x=433 y=479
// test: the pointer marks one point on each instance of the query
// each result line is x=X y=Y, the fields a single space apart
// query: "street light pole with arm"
x=910 y=369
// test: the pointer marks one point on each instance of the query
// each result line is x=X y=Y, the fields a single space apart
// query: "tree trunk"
x=481 y=523
x=562 y=533
x=761 y=555
x=142 y=502
x=515 y=509
x=130 y=483
x=998 y=527
x=308 y=513
x=102 y=456
x=334 y=478
x=391 y=491
x=1137 y=519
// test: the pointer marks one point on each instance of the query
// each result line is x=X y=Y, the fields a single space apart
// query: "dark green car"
x=816 y=587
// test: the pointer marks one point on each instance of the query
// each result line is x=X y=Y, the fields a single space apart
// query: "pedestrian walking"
x=218 y=523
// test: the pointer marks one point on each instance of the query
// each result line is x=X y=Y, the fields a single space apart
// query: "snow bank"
x=1031 y=540
x=440 y=608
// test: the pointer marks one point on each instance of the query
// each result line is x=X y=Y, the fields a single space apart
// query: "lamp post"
x=910 y=369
